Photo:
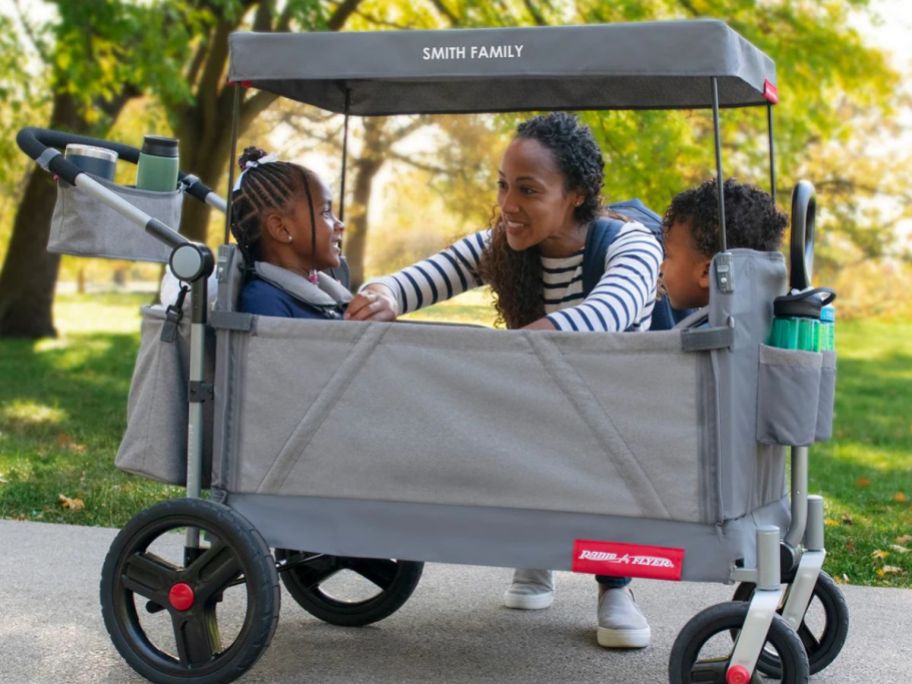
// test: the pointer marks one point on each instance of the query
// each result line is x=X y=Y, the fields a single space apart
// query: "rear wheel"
x=703 y=650
x=823 y=629
x=350 y=592
x=189 y=615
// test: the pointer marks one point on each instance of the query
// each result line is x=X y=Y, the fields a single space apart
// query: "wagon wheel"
x=823 y=628
x=702 y=652
x=199 y=615
x=349 y=592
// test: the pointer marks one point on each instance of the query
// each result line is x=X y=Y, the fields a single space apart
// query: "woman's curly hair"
x=516 y=277
x=752 y=220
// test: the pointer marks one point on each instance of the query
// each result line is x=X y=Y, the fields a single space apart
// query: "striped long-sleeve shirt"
x=623 y=297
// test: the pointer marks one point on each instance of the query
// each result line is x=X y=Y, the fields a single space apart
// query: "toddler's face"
x=685 y=271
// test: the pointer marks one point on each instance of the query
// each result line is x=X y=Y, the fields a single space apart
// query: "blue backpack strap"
x=602 y=233
x=664 y=316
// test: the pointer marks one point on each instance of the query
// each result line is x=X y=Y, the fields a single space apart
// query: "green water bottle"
x=828 y=328
x=796 y=322
x=158 y=164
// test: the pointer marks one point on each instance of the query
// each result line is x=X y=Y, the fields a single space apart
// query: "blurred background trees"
x=119 y=68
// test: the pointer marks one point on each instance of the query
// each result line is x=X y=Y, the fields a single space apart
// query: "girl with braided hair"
x=282 y=219
x=548 y=198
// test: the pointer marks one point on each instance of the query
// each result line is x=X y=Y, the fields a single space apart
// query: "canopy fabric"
x=648 y=65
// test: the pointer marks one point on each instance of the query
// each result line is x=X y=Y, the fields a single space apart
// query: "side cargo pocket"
x=827 y=397
x=154 y=444
x=788 y=393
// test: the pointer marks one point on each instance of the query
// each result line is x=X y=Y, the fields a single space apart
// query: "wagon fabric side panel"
x=596 y=424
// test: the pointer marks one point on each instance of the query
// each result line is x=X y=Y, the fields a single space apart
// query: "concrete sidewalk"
x=451 y=630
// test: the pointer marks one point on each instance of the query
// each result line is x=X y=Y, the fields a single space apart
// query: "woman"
x=549 y=186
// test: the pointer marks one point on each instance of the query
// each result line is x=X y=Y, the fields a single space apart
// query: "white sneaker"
x=531 y=590
x=621 y=624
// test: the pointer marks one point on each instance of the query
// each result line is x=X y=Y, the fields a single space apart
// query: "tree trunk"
x=29 y=271
x=356 y=224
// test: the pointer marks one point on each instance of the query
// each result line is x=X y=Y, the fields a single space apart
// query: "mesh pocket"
x=154 y=444
x=788 y=390
x=827 y=397
x=84 y=226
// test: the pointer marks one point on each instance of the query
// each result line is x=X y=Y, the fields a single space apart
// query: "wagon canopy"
x=648 y=65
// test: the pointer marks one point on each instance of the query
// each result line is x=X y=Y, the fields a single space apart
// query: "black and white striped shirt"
x=623 y=297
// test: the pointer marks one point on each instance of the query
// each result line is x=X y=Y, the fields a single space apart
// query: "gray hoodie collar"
x=326 y=293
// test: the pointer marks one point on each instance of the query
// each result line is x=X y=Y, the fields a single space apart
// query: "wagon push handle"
x=801 y=251
x=44 y=145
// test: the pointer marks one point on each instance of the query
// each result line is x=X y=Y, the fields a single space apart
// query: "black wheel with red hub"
x=189 y=614
x=344 y=591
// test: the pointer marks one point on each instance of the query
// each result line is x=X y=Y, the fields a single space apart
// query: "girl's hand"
x=373 y=303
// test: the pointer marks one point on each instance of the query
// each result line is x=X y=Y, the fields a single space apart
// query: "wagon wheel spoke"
x=196 y=635
x=709 y=670
x=213 y=572
x=379 y=571
x=811 y=642
x=313 y=573
x=149 y=576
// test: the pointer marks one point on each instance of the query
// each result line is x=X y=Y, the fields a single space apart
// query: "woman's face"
x=536 y=207
x=328 y=230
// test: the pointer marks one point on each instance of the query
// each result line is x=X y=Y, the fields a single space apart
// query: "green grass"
x=63 y=404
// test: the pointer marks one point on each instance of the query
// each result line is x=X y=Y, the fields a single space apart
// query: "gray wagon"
x=658 y=455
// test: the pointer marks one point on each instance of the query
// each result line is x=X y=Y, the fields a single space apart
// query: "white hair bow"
x=252 y=164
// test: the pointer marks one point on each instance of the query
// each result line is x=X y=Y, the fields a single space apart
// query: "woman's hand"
x=374 y=303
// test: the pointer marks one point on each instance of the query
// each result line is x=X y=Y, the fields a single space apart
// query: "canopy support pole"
x=717 y=138
x=235 y=122
x=772 y=150
x=344 y=154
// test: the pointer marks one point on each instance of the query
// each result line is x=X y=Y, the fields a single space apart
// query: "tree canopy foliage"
x=88 y=59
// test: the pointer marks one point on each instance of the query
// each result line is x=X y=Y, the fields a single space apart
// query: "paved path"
x=452 y=630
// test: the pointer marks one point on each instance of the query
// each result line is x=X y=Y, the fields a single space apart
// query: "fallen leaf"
x=863 y=482
x=879 y=554
x=904 y=539
x=889 y=570
x=900 y=497
x=72 y=504
x=64 y=441
x=899 y=549
x=847 y=519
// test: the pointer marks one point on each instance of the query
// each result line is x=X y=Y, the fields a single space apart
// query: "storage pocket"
x=788 y=391
x=84 y=226
x=154 y=444
x=827 y=397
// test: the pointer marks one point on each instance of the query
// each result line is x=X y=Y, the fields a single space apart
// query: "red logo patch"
x=770 y=92
x=627 y=560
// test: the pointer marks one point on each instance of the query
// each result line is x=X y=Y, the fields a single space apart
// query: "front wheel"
x=823 y=629
x=344 y=591
x=702 y=652
x=176 y=614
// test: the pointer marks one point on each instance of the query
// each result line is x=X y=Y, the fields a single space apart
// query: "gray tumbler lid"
x=159 y=146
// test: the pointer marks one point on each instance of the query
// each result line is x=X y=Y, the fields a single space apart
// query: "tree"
x=97 y=53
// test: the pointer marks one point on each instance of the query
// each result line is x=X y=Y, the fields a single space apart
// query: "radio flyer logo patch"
x=627 y=560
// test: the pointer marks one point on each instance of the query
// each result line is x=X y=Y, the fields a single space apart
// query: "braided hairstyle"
x=272 y=185
x=751 y=219
x=516 y=277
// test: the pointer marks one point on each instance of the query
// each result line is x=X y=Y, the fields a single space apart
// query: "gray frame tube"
x=717 y=139
x=198 y=298
x=799 y=496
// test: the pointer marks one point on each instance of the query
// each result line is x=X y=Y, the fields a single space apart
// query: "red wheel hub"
x=181 y=596
x=737 y=675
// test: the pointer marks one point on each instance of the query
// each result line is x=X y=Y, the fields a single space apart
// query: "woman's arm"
x=625 y=294
x=446 y=274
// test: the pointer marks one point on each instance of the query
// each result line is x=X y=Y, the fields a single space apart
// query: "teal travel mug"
x=828 y=328
x=158 y=164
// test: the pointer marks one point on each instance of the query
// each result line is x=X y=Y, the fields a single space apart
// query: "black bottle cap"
x=804 y=304
x=159 y=146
